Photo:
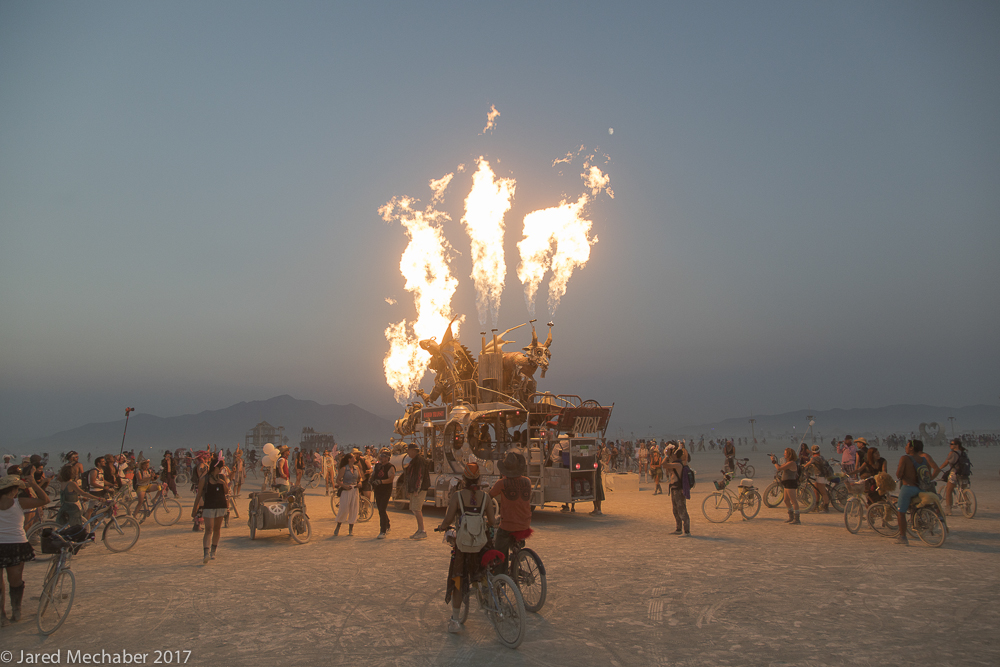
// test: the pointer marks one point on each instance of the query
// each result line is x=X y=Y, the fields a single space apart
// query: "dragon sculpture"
x=453 y=364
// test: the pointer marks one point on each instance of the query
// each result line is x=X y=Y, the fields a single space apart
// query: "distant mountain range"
x=902 y=419
x=349 y=424
x=352 y=425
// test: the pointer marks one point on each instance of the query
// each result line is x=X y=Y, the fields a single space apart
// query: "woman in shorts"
x=789 y=470
x=15 y=550
x=213 y=490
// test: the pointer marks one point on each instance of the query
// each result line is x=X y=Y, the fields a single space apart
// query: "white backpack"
x=471 y=536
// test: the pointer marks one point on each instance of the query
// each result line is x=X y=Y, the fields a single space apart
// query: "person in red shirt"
x=513 y=492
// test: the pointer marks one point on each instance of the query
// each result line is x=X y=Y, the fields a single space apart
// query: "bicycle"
x=165 y=511
x=774 y=494
x=498 y=596
x=720 y=505
x=744 y=467
x=59 y=586
x=964 y=497
x=856 y=507
x=121 y=532
x=365 y=507
x=926 y=521
x=528 y=572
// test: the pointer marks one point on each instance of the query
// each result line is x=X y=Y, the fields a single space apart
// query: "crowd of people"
x=216 y=478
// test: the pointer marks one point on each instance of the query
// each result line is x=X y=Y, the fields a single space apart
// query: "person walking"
x=168 y=472
x=329 y=470
x=299 y=458
x=282 y=477
x=15 y=550
x=655 y=469
x=417 y=479
x=789 y=470
x=211 y=498
x=348 y=483
x=678 y=486
x=383 y=475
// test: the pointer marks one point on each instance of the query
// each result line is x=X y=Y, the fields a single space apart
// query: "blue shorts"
x=906 y=494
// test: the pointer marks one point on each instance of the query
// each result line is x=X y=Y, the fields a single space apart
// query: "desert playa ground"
x=621 y=591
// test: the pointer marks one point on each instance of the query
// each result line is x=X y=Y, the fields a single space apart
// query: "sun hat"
x=512 y=465
x=8 y=481
x=815 y=448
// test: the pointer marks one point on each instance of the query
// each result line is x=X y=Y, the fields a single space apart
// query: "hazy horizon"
x=805 y=211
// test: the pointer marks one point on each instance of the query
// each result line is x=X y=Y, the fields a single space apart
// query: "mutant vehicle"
x=481 y=408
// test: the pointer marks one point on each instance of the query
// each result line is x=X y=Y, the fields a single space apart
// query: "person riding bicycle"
x=514 y=493
x=469 y=499
x=956 y=471
x=916 y=471
x=143 y=480
x=70 y=511
x=873 y=465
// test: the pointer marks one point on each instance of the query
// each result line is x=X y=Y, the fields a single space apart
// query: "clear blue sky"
x=807 y=208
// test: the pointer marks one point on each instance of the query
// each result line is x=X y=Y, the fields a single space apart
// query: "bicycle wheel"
x=749 y=470
x=55 y=601
x=365 y=512
x=774 y=495
x=928 y=526
x=717 y=507
x=968 y=501
x=299 y=528
x=182 y=478
x=883 y=519
x=335 y=503
x=464 y=614
x=35 y=539
x=315 y=480
x=528 y=573
x=121 y=533
x=853 y=515
x=508 y=618
x=751 y=504
x=168 y=512
x=839 y=496
x=807 y=498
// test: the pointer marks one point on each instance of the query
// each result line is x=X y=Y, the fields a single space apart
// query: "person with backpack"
x=472 y=508
x=822 y=470
x=679 y=488
x=916 y=471
x=958 y=468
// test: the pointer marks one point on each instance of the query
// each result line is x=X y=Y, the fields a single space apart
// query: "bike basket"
x=746 y=483
x=719 y=486
x=52 y=542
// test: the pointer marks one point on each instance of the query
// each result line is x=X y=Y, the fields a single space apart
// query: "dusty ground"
x=621 y=592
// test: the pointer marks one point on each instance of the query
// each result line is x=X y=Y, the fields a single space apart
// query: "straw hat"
x=8 y=481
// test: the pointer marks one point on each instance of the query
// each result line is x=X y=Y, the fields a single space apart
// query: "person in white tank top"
x=14 y=547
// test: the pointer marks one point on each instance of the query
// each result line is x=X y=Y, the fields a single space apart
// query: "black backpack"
x=964 y=466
